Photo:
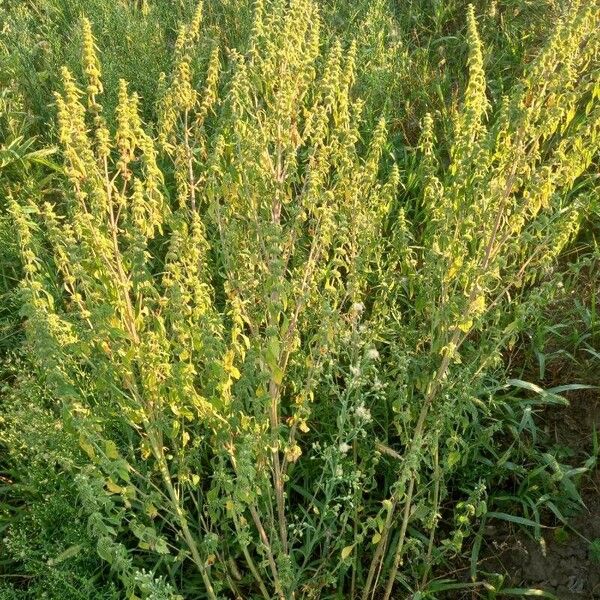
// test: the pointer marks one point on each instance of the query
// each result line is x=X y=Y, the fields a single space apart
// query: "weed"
x=266 y=333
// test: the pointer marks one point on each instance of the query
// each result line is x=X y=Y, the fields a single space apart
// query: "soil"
x=561 y=564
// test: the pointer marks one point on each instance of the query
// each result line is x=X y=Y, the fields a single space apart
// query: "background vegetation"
x=287 y=289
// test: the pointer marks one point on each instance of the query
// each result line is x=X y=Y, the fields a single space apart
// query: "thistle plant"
x=267 y=358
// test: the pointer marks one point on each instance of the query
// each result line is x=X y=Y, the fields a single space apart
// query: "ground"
x=562 y=562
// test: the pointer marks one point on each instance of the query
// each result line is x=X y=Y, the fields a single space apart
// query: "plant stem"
x=185 y=530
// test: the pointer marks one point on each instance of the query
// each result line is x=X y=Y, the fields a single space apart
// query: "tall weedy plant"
x=493 y=219
x=268 y=361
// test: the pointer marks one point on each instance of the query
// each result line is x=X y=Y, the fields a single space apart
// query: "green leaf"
x=104 y=549
x=547 y=396
x=272 y=352
x=477 y=548
x=522 y=592
x=570 y=387
x=68 y=553
x=442 y=585
x=526 y=385
x=512 y=519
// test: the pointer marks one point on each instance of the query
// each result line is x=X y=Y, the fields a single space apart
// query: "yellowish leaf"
x=293 y=453
x=112 y=487
x=87 y=447
x=277 y=374
x=110 y=449
x=465 y=326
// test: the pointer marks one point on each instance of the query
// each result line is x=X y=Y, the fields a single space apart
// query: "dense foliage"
x=270 y=261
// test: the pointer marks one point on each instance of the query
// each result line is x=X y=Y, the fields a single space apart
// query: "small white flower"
x=372 y=354
x=358 y=308
x=363 y=413
x=355 y=371
x=344 y=447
